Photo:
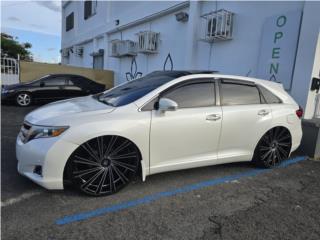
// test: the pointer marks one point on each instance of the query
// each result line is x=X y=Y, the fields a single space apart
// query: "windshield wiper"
x=106 y=102
x=97 y=97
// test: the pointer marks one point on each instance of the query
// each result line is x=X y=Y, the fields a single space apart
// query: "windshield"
x=132 y=91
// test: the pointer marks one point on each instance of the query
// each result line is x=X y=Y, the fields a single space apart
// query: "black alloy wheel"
x=273 y=148
x=104 y=165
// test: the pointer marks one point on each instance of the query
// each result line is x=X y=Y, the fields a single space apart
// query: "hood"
x=14 y=86
x=62 y=109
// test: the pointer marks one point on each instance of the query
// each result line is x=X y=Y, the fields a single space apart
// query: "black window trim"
x=240 y=82
x=259 y=88
x=181 y=84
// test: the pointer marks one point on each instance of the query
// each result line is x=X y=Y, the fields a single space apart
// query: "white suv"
x=161 y=122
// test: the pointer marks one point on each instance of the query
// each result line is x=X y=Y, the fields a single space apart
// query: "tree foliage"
x=12 y=48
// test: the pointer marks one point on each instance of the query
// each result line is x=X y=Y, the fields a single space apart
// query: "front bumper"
x=51 y=154
x=7 y=97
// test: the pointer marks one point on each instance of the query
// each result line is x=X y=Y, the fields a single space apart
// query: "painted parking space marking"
x=172 y=192
x=20 y=198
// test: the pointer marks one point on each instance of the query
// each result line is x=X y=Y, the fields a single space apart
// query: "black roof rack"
x=180 y=73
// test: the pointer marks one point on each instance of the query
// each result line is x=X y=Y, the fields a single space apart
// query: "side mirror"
x=166 y=104
x=42 y=84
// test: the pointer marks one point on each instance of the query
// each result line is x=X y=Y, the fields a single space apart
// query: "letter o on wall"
x=281 y=21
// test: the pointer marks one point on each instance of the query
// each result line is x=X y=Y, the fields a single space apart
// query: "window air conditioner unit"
x=217 y=25
x=123 y=48
x=79 y=51
x=65 y=52
x=148 y=42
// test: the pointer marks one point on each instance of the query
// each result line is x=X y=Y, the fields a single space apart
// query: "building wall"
x=175 y=44
x=238 y=56
x=308 y=58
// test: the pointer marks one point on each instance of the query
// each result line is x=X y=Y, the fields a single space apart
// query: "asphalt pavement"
x=231 y=201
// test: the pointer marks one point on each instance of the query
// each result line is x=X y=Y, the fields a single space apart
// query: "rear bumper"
x=296 y=135
x=49 y=154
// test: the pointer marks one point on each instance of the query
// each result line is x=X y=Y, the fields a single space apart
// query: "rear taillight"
x=299 y=112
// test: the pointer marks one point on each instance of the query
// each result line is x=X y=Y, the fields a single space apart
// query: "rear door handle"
x=263 y=112
x=213 y=117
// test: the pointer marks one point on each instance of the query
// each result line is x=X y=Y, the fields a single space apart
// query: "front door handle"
x=213 y=117
x=263 y=112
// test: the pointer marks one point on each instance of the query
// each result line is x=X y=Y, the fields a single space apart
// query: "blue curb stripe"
x=156 y=196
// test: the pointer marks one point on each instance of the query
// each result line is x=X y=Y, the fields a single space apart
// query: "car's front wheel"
x=273 y=148
x=104 y=165
x=23 y=99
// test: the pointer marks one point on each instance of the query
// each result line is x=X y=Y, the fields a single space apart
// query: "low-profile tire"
x=273 y=148
x=23 y=99
x=103 y=165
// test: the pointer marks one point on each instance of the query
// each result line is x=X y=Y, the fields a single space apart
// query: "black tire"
x=273 y=148
x=23 y=99
x=103 y=165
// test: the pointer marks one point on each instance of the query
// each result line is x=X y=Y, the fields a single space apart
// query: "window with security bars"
x=148 y=42
x=217 y=26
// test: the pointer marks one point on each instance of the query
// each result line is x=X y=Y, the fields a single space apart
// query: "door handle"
x=213 y=117
x=263 y=112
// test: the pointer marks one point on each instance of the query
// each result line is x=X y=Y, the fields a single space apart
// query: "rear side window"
x=193 y=95
x=234 y=93
x=55 y=81
x=69 y=82
x=80 y=82
x=269 y=96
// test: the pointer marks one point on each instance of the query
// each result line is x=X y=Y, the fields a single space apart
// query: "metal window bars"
x=148 y=42
x=9 y=66
x=79 y=51
x=217 y=26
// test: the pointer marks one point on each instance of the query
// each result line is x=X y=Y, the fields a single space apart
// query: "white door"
x=189 y=136
x=245 y=119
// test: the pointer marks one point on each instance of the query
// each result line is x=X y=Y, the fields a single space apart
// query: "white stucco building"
x=271 y=40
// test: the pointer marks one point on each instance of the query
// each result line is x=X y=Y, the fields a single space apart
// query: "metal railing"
x=9 y=71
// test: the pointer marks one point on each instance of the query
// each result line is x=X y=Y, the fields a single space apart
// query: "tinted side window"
x=269 y=96
x=57 y=81
x=35 y=84
x=239 y=94
x=69 y=82
x=193 y=95
x=77 y=81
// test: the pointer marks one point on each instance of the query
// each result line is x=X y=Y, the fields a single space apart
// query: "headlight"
x=46 y=132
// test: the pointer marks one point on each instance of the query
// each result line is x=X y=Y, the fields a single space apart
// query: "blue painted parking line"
x=156 y=196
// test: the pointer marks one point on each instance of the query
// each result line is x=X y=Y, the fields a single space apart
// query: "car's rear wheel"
x=273 y=148
x=23 y=99
x=104 y=165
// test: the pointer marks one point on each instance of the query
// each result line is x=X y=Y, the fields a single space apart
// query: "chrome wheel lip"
x=23 y=99
x=105 y=166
